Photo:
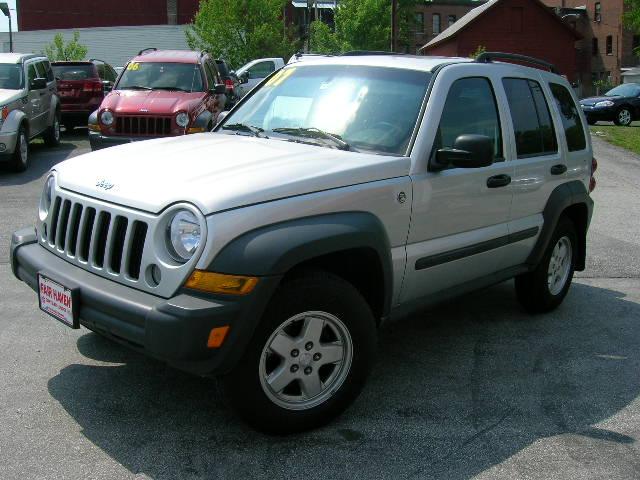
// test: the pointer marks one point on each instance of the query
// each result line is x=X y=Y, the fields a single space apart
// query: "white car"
x=343 y=192
x=252 y=73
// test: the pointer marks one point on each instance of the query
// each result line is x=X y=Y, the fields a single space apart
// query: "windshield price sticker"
x=133 y=66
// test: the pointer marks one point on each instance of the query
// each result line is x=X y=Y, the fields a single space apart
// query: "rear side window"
x=470 y=108
x=40 y=69
x=532 y=123
x=573 y=128
x=100 y=67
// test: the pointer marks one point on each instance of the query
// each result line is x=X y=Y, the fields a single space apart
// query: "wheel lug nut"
x=295 y=352
x=308 y=346
x=294 y=368
x=317 y=357
x=307 y=370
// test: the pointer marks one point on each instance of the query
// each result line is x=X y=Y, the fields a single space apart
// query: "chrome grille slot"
x=143 y=125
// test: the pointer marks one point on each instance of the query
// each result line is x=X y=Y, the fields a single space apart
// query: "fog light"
x=3 y=147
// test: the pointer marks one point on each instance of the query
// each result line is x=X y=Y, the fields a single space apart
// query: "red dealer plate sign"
x=58 y=301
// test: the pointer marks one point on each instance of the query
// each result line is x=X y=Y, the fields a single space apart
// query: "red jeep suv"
x=159 y=94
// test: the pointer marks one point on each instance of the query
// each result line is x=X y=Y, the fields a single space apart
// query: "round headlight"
x=184 y=235
x=47 y=198
x=106 y=118
x=182 y=119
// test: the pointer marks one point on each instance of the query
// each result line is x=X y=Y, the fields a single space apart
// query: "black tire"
x=313 y=291
x=51 y=135
x=623 y=117
x=591 y=121
x=18 y=163
x=532 y=289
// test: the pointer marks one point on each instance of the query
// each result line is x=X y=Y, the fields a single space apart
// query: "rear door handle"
x=498 y=181
x=558 y=169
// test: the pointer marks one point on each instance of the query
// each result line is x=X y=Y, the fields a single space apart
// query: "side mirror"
x=107 y=86
x=221 y=117
x=469 y=151
x=38 y=84
x=244 y=78
x=219 y=89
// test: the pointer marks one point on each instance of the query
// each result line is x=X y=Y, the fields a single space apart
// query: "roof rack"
x=357 y=53
x=489 y=57
x=96 y=60
x=144 y=51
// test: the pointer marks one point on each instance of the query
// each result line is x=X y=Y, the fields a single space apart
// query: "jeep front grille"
x=97 y=238
x=143 y=125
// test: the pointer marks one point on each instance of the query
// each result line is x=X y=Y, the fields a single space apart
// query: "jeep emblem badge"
x=144 y=110
x=104 y=184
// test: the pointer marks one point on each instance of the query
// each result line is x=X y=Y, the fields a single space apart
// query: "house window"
x=597 y=16
x=595 y=50
x=451 y=19
x=436 y=23
x=420 y=22
x=609 y=45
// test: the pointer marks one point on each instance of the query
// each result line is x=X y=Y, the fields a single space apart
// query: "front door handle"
x=558 y=169
x=498 y=181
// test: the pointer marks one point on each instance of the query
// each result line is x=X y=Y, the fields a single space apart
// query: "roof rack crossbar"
x=96 y=60
x=357 y=53
x=147 y=50
x=488 y=57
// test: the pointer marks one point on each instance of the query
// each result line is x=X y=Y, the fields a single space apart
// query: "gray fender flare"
x=562 y=197
x=203 y=120
x=13 y=121
x=275 y=249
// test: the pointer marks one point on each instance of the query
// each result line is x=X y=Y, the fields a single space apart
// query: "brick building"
x=527 y=27
x=606 y=50
x=434 y=16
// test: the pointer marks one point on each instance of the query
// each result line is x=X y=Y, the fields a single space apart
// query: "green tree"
x=632 y=18
x=479 y=51
x=322 y=39
x=239 y=31
x=58 y=50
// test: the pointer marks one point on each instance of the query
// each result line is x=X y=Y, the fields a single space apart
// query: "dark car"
x=82 y=87
x=230 y=80
x=620 y=105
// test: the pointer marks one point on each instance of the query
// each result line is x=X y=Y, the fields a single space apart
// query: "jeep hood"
x=8 y=96
x=159 y=102
x=216 y=171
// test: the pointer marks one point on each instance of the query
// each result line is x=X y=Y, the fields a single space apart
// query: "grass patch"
x=625 y=137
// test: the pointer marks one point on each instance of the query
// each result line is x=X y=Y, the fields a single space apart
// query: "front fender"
x=13 y=121
x=276 y=249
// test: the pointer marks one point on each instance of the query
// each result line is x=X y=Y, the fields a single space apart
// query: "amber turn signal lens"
x=94 y=128
x=196 y=130
x=217 y=336
x=221 y=283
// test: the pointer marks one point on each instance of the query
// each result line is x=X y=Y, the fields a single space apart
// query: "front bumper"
x=8 y=139
x=98 y=141
x=173 y=330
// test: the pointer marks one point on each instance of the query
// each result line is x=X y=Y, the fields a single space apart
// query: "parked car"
x=160 y=93
x=30 y=107
x=231 y=82
x=620 y=105
x=82 y=86
x=339 y=195
x=255 y=71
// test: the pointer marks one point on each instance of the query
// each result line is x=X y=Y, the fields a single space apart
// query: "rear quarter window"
x=571 y=121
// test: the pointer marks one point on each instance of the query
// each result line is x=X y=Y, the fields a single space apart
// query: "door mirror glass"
x=469 y=151
x=38 y=84
x=244 y=77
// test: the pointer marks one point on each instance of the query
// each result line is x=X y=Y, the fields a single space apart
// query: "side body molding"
x=564 y=196
x=275 y=249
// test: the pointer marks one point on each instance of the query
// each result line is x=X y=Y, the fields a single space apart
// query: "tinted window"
x=465 y=96
x=222 y=68
x=74 y=72
x=31 y=73
x=110 y=73
x=210 y=74
x=47 y=67
x=625 y=90
x=571 y=121
x=532 y=123
x=40 y=69
x=261 y=70
x=100 y=67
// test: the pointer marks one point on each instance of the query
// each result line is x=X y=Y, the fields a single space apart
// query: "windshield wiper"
x=241 y=127
x=172 y=89
x=315 y=133
x=136 y=87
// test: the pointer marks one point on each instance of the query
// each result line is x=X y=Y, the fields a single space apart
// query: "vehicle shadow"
x=42 y=159
x=456 y=390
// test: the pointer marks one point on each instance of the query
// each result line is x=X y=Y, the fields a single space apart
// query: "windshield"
x=626 y=90
x=74 y=72
x=161 y=76
x=11 y=76
x=369 y=108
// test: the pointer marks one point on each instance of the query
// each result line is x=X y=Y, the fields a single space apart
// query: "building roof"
x=173 y=56
x=476 y=13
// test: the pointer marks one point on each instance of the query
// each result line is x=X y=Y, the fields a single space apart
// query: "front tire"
x=309 y=357
x=623 y=117
x=543 y=289
x=20 y=159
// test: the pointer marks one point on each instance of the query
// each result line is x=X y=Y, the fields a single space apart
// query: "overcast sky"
x=4 y=21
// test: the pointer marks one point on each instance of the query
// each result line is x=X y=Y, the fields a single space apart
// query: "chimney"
x=172 y=12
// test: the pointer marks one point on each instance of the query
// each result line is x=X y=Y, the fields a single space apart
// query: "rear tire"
x=543 y=289
x=52 y=134
x=20 y=159
x=309 y=357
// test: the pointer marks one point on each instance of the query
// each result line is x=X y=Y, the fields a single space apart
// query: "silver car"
x=29 y=107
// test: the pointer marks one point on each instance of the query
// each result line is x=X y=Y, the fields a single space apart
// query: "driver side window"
x=31 y=74
x=470 y=108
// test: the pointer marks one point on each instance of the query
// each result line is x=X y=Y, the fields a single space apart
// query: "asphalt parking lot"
x=470 y=389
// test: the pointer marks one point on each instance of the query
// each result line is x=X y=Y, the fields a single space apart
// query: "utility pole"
x=394 y=25
x=4 y=8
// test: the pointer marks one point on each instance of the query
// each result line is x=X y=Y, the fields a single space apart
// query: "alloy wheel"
x=559 y=266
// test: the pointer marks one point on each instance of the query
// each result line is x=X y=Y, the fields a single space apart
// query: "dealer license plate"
x=58 y=301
